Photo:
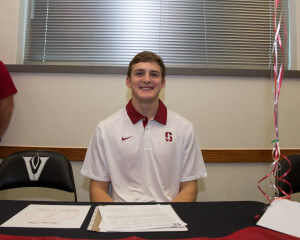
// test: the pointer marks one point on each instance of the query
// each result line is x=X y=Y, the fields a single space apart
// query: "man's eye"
x=155 y=75
x=138 y=73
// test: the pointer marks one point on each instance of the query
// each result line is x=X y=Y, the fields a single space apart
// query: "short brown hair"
x=147 y=56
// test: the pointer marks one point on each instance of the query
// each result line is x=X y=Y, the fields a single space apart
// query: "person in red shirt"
x=7 y=90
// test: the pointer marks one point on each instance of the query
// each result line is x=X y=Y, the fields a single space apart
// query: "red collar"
x=161 y=115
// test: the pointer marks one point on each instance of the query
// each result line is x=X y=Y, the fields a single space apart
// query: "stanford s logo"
x=169 y=137
x=34 y=166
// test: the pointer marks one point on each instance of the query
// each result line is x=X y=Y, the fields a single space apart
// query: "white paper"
x=135 y=218
x=283 y=216
x=49 y=216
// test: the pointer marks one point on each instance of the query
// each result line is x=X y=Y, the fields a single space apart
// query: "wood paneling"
x=243 y=155
x=209 y=155
x=73 y=154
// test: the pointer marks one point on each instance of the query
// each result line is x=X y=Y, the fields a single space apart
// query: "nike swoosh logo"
x=125 y=138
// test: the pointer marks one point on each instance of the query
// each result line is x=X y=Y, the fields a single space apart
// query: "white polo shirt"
x=144 y=160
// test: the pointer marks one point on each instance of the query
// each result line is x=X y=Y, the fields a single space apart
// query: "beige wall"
x=227 y=112
x=294 y=6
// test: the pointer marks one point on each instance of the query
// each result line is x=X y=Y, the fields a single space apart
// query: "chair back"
x=293 y=177
x=37 y=168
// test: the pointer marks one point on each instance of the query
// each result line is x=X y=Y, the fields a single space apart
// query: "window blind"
x=189 y=33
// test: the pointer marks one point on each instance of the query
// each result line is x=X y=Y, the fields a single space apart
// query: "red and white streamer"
x=272 y=175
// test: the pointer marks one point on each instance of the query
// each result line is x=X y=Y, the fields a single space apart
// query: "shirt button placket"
x=147 y=138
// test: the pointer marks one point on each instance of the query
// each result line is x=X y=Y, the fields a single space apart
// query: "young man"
x=7 y=91
x=144 y=152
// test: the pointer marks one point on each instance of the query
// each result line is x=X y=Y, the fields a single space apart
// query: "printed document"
x=137 y=218
x=49 y=216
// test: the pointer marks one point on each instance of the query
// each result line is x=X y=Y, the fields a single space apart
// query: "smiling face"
x=145 y=81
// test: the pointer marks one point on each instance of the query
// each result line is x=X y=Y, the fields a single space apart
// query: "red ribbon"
x=278 y=76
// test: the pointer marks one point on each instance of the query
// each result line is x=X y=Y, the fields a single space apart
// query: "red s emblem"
x=169 y=137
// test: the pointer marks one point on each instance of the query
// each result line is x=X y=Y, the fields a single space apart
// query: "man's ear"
x=128 y=82
x=163 y=83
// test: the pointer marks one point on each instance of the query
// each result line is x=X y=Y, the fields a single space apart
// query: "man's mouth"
x=146 y=88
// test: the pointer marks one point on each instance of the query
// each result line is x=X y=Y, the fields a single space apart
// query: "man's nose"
x=147 y=78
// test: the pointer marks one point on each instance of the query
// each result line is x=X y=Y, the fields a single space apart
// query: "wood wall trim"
x=209 y=155
x=73 y=154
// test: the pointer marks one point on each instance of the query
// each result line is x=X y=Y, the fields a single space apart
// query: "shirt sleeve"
x=193 y=166
x=95 y=165
x=7 y=86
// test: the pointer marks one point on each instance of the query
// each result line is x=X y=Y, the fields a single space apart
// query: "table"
x=204 y=219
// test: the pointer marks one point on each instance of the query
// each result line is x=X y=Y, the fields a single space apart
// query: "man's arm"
x=99 y=191
x=188 y=192
x=6 y=109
